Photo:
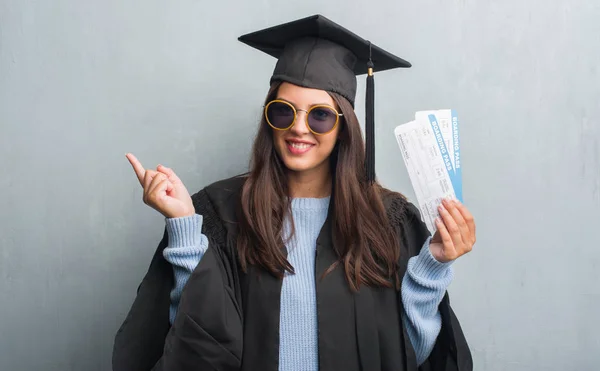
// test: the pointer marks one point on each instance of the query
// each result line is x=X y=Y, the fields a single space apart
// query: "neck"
x=315 y=183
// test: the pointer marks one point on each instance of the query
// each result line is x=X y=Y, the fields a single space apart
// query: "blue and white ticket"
x=431 y=152
x=445 y=124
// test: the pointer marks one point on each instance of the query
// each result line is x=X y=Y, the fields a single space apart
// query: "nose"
x=300 y=127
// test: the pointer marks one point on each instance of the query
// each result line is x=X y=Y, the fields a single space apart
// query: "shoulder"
x=406 y=219
x=221 y=191
x=398 y=208
x=219 y=203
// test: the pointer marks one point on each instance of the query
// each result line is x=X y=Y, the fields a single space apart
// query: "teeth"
x=300 y=145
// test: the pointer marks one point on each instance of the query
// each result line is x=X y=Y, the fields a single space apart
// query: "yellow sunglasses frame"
x=337 y=115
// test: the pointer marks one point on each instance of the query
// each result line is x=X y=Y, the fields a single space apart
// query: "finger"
x=169 y=173
x=158 y=178
x=159 y=188
x=458 y=218
x=149 y=175
x=444 y=234
x=468 y=218
x=137 y=167
x=451 y=225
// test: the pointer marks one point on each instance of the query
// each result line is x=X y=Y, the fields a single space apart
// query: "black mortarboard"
x=316 y=52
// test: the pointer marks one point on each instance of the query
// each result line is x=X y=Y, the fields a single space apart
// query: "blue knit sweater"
x=423 y=285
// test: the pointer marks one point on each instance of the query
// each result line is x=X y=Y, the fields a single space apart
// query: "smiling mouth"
x=297 y=148
x=300 y=145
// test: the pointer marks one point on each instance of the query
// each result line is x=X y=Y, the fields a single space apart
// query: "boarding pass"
x=430 y=147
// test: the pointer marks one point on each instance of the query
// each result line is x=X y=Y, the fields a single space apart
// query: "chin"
x=298 y=165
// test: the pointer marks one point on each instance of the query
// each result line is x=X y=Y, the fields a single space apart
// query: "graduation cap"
x=315 y=52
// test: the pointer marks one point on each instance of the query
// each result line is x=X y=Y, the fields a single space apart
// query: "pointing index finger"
x=137 y=167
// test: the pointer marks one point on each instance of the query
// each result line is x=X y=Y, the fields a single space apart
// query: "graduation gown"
x=229 y=320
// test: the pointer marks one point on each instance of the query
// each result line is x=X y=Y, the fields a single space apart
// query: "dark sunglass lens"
x=280 y=115
x=321 y=119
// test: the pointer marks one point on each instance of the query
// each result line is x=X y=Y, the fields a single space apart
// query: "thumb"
x=436 y=237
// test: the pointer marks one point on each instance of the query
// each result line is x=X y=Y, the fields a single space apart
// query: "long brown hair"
x=365 y=243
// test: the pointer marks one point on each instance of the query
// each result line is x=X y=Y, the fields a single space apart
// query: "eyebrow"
x=312 y=105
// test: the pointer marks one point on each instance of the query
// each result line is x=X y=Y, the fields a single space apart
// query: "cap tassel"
x=370 y=125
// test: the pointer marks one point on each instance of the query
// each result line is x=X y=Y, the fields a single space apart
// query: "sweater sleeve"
x=186 y=246
x=423 y=288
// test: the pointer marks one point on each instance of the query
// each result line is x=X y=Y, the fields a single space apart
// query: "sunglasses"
x=320 y=119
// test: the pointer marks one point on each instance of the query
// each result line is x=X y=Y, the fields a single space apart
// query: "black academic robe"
x=229 y=320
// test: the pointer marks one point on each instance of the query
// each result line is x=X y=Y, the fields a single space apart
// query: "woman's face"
x=298 y=147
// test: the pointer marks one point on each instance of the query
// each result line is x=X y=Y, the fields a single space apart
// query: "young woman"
x=304 y=263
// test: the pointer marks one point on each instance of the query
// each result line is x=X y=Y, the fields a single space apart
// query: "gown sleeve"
x=140 y=339
x=451 y=350
x=207 y=331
